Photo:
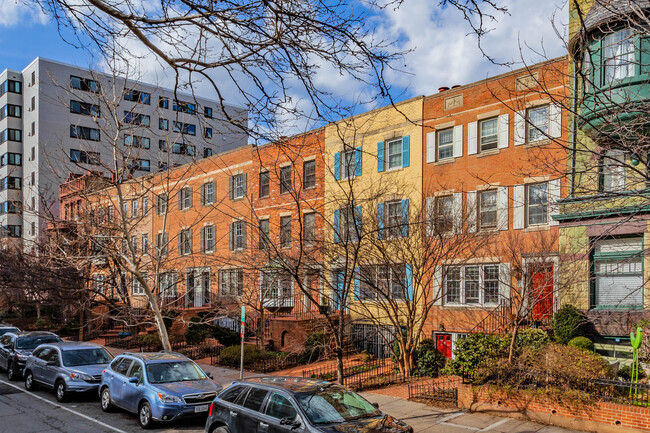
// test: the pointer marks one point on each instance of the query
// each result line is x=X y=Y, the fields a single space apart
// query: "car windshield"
x=164 y=372
x=335 y=404
x=76 y=358
x=34 y=341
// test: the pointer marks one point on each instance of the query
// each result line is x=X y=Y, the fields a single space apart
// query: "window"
x=207 y=152
x=184 y=149
x=264 y=234
x=613 y=171
x=145 y=206
x=163 y=102
x=162 y=244
x=32 y=128
x=11 y=135
x=33 y=153
x=139 y=164
x=84 y=84
x=619 y=55
x=309 y=174
x=162 y=165
x=279 y=407
x=84 y=108
x=349 y=164
x=231 y=282
x=145 y=244
x=84 y=157
x=237 y=187
x=350 y=223
x=11 y=182
x=264 y=183
x=10 y=207
x=208 y=193
x=98 y=283
x=184 y=128
x=137 y=118
x=11 y=86
x=168 y=284
x=618 y=273
x=10 y=158
x=237 y=235
x=161 y=204
x=162 y=145
x=394 y=218
x=134 y=208
x=309 y=227
x=445 y=141
x=207 y=111
x=389 y=281
x=11 y=231
x=488 y=134
x=10 y=110
x=184 y=107
x=137 y=96
x=137 y=286
x=134 y=244
x=163 y=124
x=84 y=133
x=285 y=232
x=394 y=148
x=125 y=209
x=537 y=122
x=472 y=285
x=277 y=289
x=32 y=103
x=285 y=179
x=207 y=133
x=487 y=209
x=185 y=242
x=137 y=141
x=444 y=216
x=185 y=198
x=208 y=239
x=33 y=79
x=537 y=204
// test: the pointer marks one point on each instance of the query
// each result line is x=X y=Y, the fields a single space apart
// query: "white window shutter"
x=472 y=142
x=502 y=208
x=458 y=141
x=519 y=207
x=505 y=282
x=431 y=215
x=555 y=120
x=431 y=147
x=520 y=127
x=438 y=292
x=504 y=130
x=458 y=212
x=471 y=212
x=554 y=192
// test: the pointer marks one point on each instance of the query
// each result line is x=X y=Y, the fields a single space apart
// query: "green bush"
x=428 y=361
x=475 y=351
x=532 y=337
x=315 y=346
x=149 y=340
x=197 y=332
x=231 y=355
x=582 y=343
x=568 y=323
x=226 y=337
x=625 y=372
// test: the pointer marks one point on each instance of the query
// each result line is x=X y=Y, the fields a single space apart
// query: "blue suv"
x=161 y=386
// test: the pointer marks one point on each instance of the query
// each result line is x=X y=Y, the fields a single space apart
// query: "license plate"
x=202 y=408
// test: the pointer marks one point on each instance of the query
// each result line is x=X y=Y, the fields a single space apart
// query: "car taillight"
x=103 y=371
x=210 y=411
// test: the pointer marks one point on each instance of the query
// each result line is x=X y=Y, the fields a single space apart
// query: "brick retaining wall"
x=600 y=417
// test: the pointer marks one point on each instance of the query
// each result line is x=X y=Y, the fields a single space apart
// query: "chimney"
x=442 y=89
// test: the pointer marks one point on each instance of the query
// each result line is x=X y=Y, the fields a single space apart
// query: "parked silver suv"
x=66 y=367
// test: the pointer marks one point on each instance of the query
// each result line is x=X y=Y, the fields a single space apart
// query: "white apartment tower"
x=57 y=119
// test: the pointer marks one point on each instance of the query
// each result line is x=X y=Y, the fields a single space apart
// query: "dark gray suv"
x=296 y=404
x=15 y=348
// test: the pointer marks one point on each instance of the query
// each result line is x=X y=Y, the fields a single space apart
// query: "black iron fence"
x=439 y=390
x=619 y=391
x=361 y=375
x=268 y=364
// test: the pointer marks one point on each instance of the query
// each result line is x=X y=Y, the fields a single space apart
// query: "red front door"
x=443 y=343
x=542 y=293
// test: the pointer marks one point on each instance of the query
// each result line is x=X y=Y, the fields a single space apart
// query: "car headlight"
x=22 y=357
x=165 y=398
x=80 y=376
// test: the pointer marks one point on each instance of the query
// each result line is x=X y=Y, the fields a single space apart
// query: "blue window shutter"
x=358 y=162
x=380 y=221
x=357 y=222
x=357 y=284
x=408 y=284
x=337 y=224
x=380 y=156
x=337 y=166
x=405 y=217
x=406 y=151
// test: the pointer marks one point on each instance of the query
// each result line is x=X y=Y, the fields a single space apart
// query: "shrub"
x=315 y=346
x=231 y=355
x=532 y=337
x=428 y=361
x=568 y=323
x=582 y=343
x=625 y=372
x=151 y=340
x=226 y=336
x=197 y=332
x=475 y=351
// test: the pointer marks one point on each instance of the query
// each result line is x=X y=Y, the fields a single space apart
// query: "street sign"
x=243 y=322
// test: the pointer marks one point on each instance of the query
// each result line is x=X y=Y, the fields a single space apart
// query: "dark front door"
x=443 y=343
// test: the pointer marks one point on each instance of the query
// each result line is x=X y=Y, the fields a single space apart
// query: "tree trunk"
x=511 y=352
x=82 y=313
x=339 y=348
x=261 y=329
x=158 y=317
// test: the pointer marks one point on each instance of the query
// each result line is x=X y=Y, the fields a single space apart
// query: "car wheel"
x=59 y=391
x=221 y=430
x=105 y=400
x=30 y=385
x=12 y=374
x=144 y=416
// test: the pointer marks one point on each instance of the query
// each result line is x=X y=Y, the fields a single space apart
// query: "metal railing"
x=620 y=391
x=361 y=375
x=440 y=390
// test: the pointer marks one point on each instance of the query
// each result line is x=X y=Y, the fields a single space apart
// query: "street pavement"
x=39 y=412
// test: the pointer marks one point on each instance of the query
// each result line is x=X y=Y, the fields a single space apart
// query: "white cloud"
x=14 y=13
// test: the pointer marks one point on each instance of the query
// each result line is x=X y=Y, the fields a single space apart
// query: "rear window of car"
x=255 y=399
x=231 y=394
x=32 y=342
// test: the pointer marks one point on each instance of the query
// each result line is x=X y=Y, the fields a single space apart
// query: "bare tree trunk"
x=339 y=348
x=82 y=314
x=158 y=317
x=511 y=352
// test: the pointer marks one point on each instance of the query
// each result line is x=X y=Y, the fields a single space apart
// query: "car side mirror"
x=375 y=405
x=53 y=363
x=134 y=380
x=294 y=423
x=209 y=375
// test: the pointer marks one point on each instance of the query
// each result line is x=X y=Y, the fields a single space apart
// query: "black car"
x=6 y=327
x=15 y=348
x=296 y=404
